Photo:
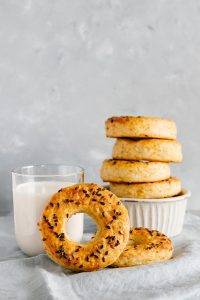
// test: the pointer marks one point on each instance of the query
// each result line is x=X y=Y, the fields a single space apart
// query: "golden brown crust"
x=110 y=215
x=140 y=127
x=148 y=149
x=133 y=171
x=144 y=247
x=151 y=190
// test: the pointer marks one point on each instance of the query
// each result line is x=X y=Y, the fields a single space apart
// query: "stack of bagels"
x=139 y=167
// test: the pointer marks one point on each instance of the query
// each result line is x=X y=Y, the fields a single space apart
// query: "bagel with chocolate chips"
x=111 y=218
x=145 y=247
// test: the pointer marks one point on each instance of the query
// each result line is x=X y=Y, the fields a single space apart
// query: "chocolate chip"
x=56 y=234
x=61 y=236
x=78 y=248
x=118 y=213
x=117 y=243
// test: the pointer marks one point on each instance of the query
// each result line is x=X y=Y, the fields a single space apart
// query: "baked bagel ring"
x=134 y=171
x=150 y=190
x=148 y=149
x=110 y=215
x=144 y=247
x=140 y=127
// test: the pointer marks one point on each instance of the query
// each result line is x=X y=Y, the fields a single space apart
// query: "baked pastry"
x=134 y=171
x=148 y=149
x=140 y=127
x=110 y=215
x=144 y=247
x=150 y=190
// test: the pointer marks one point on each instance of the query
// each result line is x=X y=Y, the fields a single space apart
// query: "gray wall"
x=65 y=66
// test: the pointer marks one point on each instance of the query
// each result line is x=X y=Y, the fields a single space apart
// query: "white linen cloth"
x=23 y=277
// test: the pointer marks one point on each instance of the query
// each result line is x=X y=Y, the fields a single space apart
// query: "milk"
x=29 y=200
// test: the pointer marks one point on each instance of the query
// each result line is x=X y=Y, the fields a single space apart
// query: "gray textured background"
x=65 y=66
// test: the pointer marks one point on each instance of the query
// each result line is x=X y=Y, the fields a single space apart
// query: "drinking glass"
x=33 y=186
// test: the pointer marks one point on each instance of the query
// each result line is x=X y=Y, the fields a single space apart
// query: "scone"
x=147 y=149
x=141 y=127
x=133 y=171
x=151 y=190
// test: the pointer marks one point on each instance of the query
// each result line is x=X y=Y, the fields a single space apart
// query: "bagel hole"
x=90 y=228
x=81 y=228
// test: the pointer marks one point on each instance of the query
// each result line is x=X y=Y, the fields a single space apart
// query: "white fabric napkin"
x=23 y=277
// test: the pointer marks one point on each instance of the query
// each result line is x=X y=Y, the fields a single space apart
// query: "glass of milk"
x=33 y=186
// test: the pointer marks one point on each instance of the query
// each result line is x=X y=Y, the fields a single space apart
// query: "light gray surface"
x=65 y=66
x=39 y=278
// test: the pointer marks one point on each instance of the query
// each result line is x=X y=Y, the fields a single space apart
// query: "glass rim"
x=18 y=170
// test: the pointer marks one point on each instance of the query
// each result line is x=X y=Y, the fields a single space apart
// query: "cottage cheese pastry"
x=148 y=149
x=134 y=171
x=151 y=190
x=140 y=127
x=144 y=247
x=105 y=208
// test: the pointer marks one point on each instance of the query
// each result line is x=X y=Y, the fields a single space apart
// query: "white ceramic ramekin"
x=165 y=215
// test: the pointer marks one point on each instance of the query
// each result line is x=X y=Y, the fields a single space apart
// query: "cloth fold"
x=23 y=277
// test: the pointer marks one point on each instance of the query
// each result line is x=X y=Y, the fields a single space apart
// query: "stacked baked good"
x=139 y=167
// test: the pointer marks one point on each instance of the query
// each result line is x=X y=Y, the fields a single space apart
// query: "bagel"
x=151 y=190
x=133 y=171
x=140 y=127
x=144 y=247
x=148 y=149
x=110 y=215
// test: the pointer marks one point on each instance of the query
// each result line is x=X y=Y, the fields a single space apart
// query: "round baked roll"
x=148 y=149
x=134 y=171
x=144 y=247
x=151 y=190
x=141 y=127
x=110 y=239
